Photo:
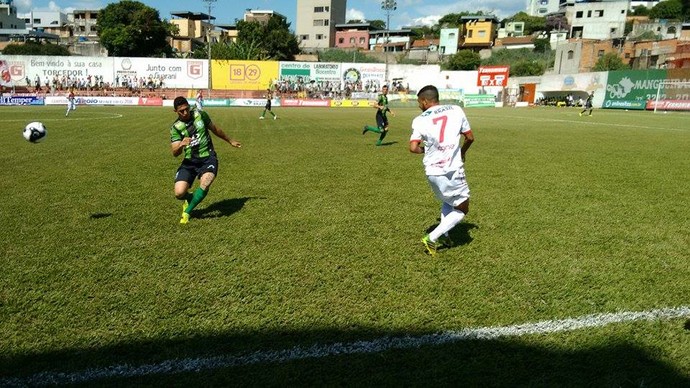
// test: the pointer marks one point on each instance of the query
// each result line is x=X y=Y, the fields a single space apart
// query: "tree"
x=526 y=68
x=609 y=61
x=339 y=55
x=557 y=22
x=425 y=32
x=463 y=60
x=640 y=10
x=669 y=9
x=541 y=45
x=131 y=29
x=273 y=38
x=378 y=24
x=34 y=48
x=455 y=19
x=231 y=51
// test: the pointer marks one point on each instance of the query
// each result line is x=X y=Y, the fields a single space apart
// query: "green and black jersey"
x=383 y=101
x=201 y=146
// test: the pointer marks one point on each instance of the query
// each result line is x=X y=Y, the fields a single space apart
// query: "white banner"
x=175 y=73
x=23 y=67
x=94 y=100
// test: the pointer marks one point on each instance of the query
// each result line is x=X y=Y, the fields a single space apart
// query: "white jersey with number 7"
x=440 y=128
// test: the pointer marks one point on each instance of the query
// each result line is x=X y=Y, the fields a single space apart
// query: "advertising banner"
x=669 y=105
x=493 y=75
x=21 y=100
x=175 y=73
x=310 y=72
x=631 y=89
x=311 y=103
x=150 y=101
x=584 y=82
x=5 y=76
x=243 y=75
x=351 y=104
x=23 y=67
x=479 y=100
x=62 y=100
x=363 y=76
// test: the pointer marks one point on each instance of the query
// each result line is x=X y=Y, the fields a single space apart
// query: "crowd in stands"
x=298 y=87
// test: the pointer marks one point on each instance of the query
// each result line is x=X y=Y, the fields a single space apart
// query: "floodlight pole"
x=209 y=4
x=388 y=6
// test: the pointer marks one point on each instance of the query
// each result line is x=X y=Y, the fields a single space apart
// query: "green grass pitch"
x=310 y=235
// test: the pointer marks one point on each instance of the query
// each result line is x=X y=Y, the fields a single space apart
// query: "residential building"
x=9 y=20
x=194 y=30
x=316 y=21
x=353 y=36
x=542 y=7
x=514 y=42
x=261 y=16
x=661 y=28
x=85 y=22
x=597 y=20
x=479 y=31
x=511 y=29
x=390 y=41
x=449 y=40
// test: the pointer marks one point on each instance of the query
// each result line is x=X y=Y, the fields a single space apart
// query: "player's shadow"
x=223 y=208
x=96 y=216
x=460 y=235
x=389 y=143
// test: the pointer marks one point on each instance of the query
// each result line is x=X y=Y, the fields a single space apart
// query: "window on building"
x=589 y=13
x=94 y=16
x=613 y=31
x=600 y=53
x=27 y=20
x=571 y=54
x=37 y=21
x=319 y=36
x=362 y=40
x=627 y=55
x=671 y=30
x=325 y=22
x=304 y=37
x=469 y=33
x=318 y=22
x=599 y=13
x=341 y=40
x=352 y=40
x=578 y=15
x=543 y=10
x=326 y=9
x=318 y=9
x=543 y=2
x=481 y=34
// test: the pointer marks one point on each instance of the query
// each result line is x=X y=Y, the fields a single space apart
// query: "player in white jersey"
x=436 y=133
x=199 y=100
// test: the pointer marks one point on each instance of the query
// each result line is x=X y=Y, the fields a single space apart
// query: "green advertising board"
x=479 y=100
x=630 y=89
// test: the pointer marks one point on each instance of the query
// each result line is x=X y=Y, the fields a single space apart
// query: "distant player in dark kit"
x=588 y=104
x=190 y=137
x=269 y=97
x=381 y=116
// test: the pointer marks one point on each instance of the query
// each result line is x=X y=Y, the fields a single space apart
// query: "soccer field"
x=303 y=265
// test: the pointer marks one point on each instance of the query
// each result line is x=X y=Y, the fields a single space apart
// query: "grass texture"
x=310 y=235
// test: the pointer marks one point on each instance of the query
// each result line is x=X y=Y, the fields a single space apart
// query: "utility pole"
x=388 y=6
x=209 y=4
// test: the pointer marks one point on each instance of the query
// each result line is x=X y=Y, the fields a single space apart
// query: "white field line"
x=579 y=122
x=104 y=116
x=359 y=347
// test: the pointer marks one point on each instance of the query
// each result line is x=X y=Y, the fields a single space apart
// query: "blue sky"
x=409 y=12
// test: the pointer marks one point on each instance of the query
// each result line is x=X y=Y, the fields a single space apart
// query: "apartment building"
x=316 y=21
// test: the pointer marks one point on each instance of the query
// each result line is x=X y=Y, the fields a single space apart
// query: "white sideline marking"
x=582 y=121
x=359 y=347
x=104 y=116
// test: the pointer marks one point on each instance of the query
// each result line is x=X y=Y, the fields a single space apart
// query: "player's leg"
x=451 y=188
x=208 y=173
x=384 y=131
x=183 y=181
x=68 y=108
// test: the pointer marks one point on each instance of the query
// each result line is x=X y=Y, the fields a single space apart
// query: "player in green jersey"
x=190 y=137
x=381 y=118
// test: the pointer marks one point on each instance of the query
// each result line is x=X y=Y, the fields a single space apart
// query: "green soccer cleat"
x=429 y=245
x=185 y=219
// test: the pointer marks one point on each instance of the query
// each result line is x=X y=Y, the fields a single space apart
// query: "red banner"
x=493 y=76
x=669 y=105
x=292 y=102
x=150 y=101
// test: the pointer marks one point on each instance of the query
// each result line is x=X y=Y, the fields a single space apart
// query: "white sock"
x=449 y=221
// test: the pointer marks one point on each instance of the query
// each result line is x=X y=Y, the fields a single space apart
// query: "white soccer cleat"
x=261 y=117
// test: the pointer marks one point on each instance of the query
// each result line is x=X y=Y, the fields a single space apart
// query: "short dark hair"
x=179 y=101
x=429 y=93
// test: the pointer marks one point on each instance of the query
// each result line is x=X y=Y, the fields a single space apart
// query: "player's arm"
x=219 y=132
x=416 y=147
x=469 y=139
x=178 y=146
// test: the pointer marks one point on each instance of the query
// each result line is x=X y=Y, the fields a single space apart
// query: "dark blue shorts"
x=190 y=170
x=381 y=120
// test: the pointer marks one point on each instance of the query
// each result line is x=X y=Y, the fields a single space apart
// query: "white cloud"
x=53 y=6
x=23 y=5
x=354 y=14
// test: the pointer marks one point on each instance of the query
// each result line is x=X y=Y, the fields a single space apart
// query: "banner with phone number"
x=243 y=75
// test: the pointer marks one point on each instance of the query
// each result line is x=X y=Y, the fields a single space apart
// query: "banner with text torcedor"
x=22 y=67
x=243 y=75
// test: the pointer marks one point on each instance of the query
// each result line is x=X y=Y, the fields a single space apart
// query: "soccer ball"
x=35 y=132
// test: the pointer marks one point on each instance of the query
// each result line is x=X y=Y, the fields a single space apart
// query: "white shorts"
x=451 y=188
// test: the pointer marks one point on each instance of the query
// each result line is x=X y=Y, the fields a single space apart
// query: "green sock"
x=373 y=129
x=274 y=115
x=199 y=195
x=264 y=113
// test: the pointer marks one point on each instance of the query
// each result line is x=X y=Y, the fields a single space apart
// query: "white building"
x=316 y=20
x=43 y=20
x=597 y=20
x=543 y=7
